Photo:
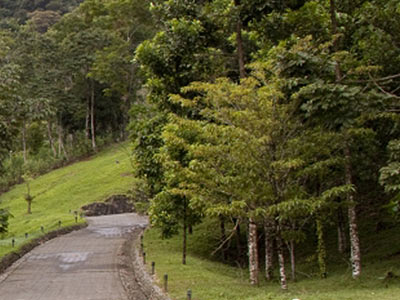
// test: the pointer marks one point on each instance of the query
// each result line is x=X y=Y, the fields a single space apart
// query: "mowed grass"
x=210 y=279
x=61 y=192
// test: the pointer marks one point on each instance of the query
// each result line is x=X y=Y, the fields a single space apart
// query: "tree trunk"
x=253 y=252
x=190 y=229
x=28 y=197
x=238 y=243
x=184 y=234
x=342 y=241
x=239 y=41
x=87 y=120
x=51 y=139
x=24 y=141
x=223 y=238
x=354 y=239
x=292 y=259
x=92 y=116
x=321 y=248
x=29 y=207
x=61 y=147
x=281 y=259
x=353 y=228
x=269 y=249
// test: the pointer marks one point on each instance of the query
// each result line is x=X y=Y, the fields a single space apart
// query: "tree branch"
x=382 y=89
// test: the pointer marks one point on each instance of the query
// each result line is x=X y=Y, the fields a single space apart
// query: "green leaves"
x=390 y=174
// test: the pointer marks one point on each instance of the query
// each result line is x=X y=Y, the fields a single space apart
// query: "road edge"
x=137 y=276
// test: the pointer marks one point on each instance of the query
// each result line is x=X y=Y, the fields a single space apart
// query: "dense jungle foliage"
x=23 y=10
x=279 y=118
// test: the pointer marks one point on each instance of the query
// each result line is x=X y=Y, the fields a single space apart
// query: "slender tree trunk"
x=353 y=228
x=269 y=249
x=281 y=259
x=253 y=252
x=87 y=120
x=184 y=234
x=51 y=139
x=92 y=118
x=321 y=248
x=292 y=259
x=184 y=242
x=24 y=141
x=61 y=147
x=342 y=241
x=223 y=238
x=29 y=207
x=239 y=42
x=238 y=243
x=354 y=239
x=28 y=197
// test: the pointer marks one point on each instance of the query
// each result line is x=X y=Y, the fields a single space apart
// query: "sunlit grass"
x=61 y=192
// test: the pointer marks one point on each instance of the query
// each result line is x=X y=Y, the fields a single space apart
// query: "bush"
x=12 y=171
x=42 y=160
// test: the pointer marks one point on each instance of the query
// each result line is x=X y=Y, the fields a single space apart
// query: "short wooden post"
x=165 y=282
x=153 y=267
x=189 y=294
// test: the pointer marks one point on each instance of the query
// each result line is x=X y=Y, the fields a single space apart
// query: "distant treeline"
x=20 y=9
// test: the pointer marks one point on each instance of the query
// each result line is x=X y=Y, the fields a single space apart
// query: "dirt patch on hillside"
x=117 y=204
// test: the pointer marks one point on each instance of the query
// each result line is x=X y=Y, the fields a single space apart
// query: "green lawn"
x=64 y=190
x=212 y=280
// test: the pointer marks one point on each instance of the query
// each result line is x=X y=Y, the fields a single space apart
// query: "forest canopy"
x=23 y=9
x=279 y=117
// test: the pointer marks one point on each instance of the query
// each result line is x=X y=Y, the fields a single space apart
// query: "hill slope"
x=61 y=192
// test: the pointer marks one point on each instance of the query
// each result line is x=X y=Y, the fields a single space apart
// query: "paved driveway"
x=81 y=265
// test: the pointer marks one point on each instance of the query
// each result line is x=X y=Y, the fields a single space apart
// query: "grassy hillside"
x=209 y=279
x=61 y=192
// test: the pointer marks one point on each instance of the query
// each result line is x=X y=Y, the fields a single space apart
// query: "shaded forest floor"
x=210 y=279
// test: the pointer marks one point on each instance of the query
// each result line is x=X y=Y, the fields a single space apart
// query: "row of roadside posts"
x=75 y=213
x=153 y=268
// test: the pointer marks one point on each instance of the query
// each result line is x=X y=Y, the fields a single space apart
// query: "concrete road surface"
x=81 y=265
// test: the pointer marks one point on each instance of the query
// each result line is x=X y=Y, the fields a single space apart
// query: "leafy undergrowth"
x=210 y=279
x=58 y=194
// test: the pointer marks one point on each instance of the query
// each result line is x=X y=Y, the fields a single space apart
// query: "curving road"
x=81 y=265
